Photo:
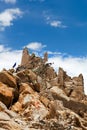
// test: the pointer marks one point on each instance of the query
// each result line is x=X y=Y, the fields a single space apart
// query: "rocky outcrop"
x=6 y=94
x=73 y=87
x=35 y=97
x=8 y=79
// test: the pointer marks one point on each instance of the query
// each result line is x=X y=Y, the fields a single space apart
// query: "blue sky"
x=56 y=26
x=66 y=34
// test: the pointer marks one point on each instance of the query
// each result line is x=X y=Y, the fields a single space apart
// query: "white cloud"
x=8 y=57
x=7 y=17
x=72 y=65
x=50 y=20
x=53 y=53
x=1 y=48
x=56 y=24
x=4 y=49
x=9 y=1
x=36 y=46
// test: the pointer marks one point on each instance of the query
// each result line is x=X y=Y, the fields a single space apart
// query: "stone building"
x=25 y=57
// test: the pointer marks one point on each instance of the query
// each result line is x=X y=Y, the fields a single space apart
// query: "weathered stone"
x=17 y=107
x=2 y=106
x=7 y=78
x=54 y=82
x=25 y=88
x=48 y=85
x=22 y=76
x=73 y=87
x=10 y=113
x=4 y=116
x=54 y=108
x=10 y=125
x=25 y=57
x=32 y=75
x=11 y=70
x=30 y=104
x=45 y=57
x=45 y=101
x=78 y=88
x=37 y=87
x=50 y=73
x=58 y=92
x=62 y=77
x=6 y=94
x=39 y=79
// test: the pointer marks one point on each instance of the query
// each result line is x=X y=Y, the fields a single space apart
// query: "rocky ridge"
x=35 y=97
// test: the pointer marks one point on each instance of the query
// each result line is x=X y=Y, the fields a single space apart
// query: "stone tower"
x=25 y=57
x=45 y=57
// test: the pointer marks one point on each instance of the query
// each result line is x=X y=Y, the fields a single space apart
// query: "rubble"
x=35 y=97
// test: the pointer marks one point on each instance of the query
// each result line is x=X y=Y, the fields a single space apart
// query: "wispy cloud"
x=9 y=1
x=52 y=21
x=7 y=17
x=4 y=49
x=56 y=24
x=36 y=46
x=54 y=53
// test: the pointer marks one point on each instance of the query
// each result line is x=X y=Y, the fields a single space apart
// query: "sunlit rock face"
x=34 y=96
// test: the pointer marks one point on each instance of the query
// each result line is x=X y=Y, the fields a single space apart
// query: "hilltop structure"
x=25 y=57
x=31 y=61
x=36 y=97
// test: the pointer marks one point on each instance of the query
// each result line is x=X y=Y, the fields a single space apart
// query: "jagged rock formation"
x=35 y=97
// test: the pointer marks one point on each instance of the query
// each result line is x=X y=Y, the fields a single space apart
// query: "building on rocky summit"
x=28 y=59
x=25 y=57
x=45 y=57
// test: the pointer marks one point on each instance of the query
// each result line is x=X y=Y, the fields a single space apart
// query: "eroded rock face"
x=6 y=94
x=7 y=78
x=35 y=97
x=73 y=87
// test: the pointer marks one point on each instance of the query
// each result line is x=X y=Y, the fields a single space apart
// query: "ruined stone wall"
x=31 y=61
x=73 y=87
x=25 y=57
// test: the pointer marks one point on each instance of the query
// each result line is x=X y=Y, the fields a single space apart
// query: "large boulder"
x=29 y=104
x=8 y=79
x=22 y=76
x=6 y=94
x=57 y=92
x=25 y=88
x=2 y=106
x=26 y=76
x=29 y=77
